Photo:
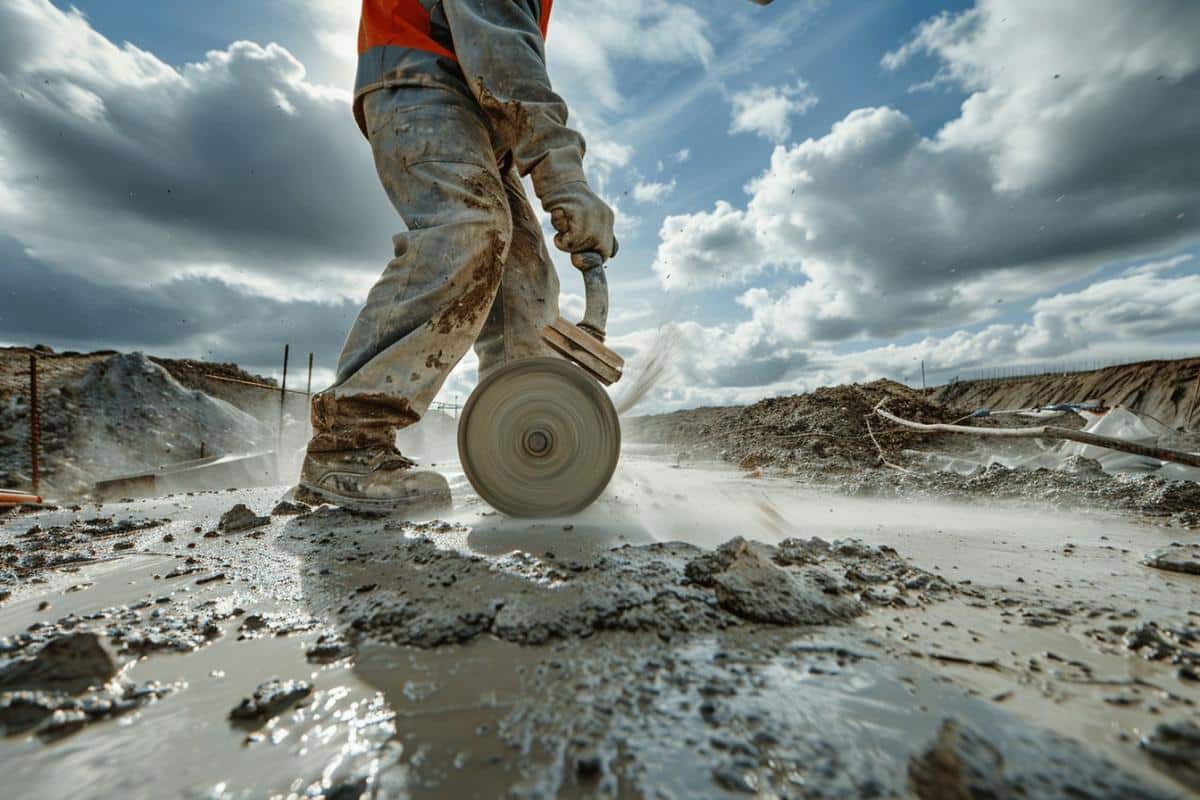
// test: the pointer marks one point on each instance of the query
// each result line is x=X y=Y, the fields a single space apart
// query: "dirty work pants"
x=471 y=268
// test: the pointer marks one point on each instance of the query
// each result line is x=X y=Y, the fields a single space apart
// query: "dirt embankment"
x=216 y=380
x=1165 y=390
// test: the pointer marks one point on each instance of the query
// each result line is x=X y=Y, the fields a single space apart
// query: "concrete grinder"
x=540 y=437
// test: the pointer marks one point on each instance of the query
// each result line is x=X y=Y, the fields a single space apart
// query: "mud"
x=827 y=427
x=357 y=422
x=1150 y=498
x=64 y=685
x=55 y=715
x=838 y=648
x=36 y=550
x=418 y=593
x=470 y=308
x=1177 y=645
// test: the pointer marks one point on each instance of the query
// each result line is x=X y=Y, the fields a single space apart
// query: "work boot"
x=370 y=479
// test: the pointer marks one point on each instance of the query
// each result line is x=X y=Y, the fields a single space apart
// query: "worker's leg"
x=528 y=297
x=436 y=163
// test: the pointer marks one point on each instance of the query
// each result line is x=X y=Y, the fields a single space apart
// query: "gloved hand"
x=584 y=222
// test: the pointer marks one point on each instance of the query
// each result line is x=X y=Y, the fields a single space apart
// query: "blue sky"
x=866 y=185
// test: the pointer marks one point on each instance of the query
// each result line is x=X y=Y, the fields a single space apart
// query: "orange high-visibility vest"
x=405 y=23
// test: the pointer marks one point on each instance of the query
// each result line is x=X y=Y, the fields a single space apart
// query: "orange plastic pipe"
x=17 y=498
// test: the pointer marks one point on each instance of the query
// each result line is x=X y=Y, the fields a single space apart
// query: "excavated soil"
x=828 y=426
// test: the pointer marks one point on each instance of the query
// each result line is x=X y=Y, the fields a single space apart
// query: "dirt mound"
x=828 y=426
x=123 y=414
x=56 y=369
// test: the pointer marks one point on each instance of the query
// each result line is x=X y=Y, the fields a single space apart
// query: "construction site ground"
x=697 y=633
x=789 y=599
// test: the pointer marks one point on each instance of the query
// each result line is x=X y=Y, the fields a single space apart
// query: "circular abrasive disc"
x=539 y=438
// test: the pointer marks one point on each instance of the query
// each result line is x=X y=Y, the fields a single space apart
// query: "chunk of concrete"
x=1175 y=558
x=71 y=663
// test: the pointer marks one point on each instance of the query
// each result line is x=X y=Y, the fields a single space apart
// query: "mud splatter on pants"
x=472 y=268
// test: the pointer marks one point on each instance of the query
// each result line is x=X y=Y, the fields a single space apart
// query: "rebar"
x=282 y=398
x=35 y=424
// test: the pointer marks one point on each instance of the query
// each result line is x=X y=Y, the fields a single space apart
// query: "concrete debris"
x=1175 y=558
x=255 y=625
x=241 y=518
x=1178 y=644
x=53 y=715
x=749 y=585
x=287 y=508
x=41 y=549
x=958 y=766
x=270 y=699
x=328 y=649
x=1082 y=466
x=71 y=663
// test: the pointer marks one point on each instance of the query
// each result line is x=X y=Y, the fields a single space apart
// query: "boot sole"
x=416 y=502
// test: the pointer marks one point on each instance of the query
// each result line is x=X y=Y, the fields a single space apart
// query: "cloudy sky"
x=808 y=193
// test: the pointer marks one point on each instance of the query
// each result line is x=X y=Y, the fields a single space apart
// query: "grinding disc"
x=539 y=438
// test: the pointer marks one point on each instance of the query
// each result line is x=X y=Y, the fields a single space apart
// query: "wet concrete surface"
x=838 y=648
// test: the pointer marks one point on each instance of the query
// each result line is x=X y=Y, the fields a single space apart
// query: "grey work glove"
x=584 y=222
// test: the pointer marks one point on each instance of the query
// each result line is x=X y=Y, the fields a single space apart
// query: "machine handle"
x=595 y=290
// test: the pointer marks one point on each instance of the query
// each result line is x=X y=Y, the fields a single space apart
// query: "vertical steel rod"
x=308 y=391
x=35 y=424
x=282 y=399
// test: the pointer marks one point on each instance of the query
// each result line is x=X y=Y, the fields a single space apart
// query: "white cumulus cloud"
x=652 y=191
x=768 y=111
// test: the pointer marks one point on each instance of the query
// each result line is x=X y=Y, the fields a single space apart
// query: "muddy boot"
x=370 y=479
